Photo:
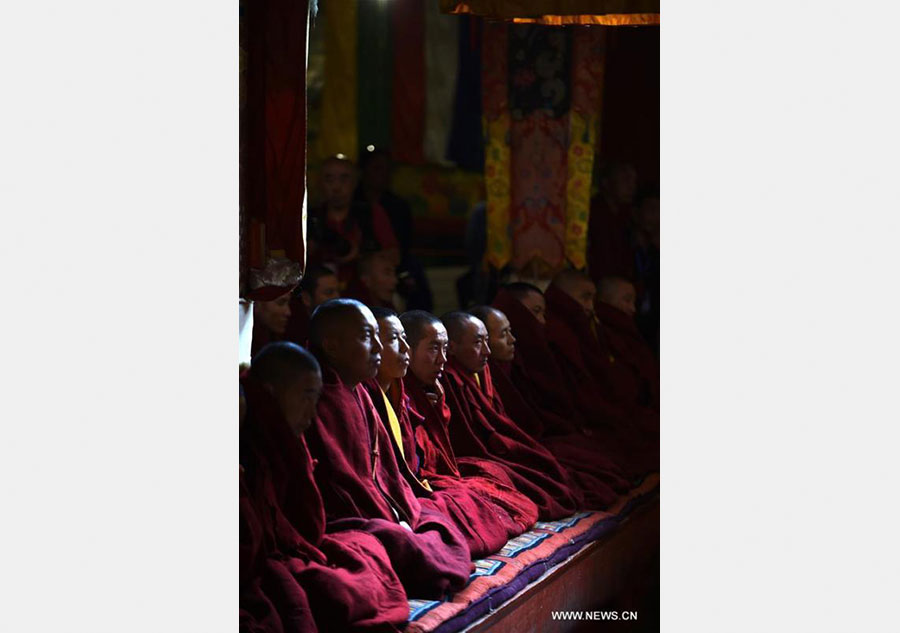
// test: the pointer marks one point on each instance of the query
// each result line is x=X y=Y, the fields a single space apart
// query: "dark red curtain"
x=273 y=129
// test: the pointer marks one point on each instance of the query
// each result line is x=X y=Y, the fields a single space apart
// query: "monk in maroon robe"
x=486 y=526
x=319 y=284
x=596 y=474
x=375 y=281
x=294 y=578
x=605 y=392
x=609 y=250
x=539 y=379
x=480 y=430
x=615 y=307
x=429 y=419
x=270 y=292
x=358 y=474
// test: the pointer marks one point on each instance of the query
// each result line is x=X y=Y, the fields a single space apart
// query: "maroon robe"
x=631 y=350
x=609 y=250
x=436 y=461
x=536 y=371
x=261 y=337
x=598 y=476
x=363 y=488
x=604 y=392
x=257 y=613
x=485 y=525
x=297 y=330
x=341 y=581
x=478 y=430
x=533 y=386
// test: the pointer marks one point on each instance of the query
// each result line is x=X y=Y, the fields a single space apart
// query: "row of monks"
x=386 y=454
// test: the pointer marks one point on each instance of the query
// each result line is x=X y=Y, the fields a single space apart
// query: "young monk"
x=480 y=430
x=270 y=293
x=361 y=482
x=487 y=526
x=312 y=581
x=319 y=284
x=605 y=391
x=534 y=367
x=615 y=307
x=376 y=280
x=596 y=474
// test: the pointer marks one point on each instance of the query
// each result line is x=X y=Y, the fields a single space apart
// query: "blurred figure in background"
x=343 y=227
x=646 y=262
x=375 y=282
x=270 y=292
x=374 y=190
x=609 y=243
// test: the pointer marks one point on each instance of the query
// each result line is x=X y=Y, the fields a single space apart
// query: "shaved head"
x=500 y=336
x=332 y=318
x=521 y=289
x=344 y=333
x=483 y=313
x=292 y=375
x=579 y=286
x=427 y=338
x=468 y=340
x=531 y=297
x=319 y=284
x=415 y=322
x=382 y=313
x=338 y=176
x=379 y=274
x=568 y=278
x=619 y=293
x=457 y=323
x=279 y=364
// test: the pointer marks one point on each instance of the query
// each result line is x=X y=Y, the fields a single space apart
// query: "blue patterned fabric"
x=526 y=541
x=419 y=607
x=562 y=524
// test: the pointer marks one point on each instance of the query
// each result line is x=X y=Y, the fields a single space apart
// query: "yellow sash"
x=393 y=422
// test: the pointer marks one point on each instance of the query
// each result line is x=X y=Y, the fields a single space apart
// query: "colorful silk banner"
x=542 y=97
x=495 y=103
x=539 y=95
x=587 y=96
x=338 y=132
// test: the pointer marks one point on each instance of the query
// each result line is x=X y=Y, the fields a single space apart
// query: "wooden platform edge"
x=589 y=578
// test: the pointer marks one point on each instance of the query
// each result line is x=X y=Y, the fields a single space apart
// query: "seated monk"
x=271 y=296
x=541 y=381
x=293 y=576
x=434 y=457
x=596 y=474
x=376 y=280
x=605 y=391
x=486 y=526
x=615 y=307
x=480 y=430
x=358 y=474
x=533 y=367
x=319 y=284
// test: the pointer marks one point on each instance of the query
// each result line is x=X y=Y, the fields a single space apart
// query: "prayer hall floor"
x=587 y=562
